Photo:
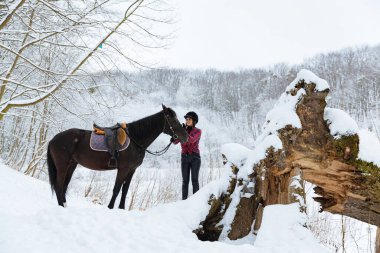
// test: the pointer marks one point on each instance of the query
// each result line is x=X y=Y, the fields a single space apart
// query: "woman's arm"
x=194 y=136
x=174 y=141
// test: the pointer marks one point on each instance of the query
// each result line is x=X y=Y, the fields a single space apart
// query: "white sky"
x=233 y=34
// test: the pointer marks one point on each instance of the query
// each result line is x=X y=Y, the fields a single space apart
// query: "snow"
x=230 y=213
x=282 y=225
x=12 y=9
x=309 y=77
x=235 y=153
x=296 y=182
x=369 y=147
x=282 y=114
x=31 y=222
x=340 y=123
x=246 y=158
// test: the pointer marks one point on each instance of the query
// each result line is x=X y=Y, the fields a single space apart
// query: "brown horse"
x=72 y=147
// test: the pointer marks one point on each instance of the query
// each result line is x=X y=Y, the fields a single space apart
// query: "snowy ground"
x=31 y=221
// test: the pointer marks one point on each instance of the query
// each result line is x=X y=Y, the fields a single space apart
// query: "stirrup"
x=112 y=163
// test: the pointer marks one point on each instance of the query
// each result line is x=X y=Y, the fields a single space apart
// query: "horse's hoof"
x=64 y=205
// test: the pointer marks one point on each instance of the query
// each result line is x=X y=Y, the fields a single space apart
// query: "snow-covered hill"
x=31 y=221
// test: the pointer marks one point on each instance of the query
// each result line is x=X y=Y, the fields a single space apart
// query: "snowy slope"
x=31 y=221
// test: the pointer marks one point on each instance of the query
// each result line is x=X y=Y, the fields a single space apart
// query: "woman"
x=190 y=155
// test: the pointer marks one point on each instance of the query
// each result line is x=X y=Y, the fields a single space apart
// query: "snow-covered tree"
x=46 y=45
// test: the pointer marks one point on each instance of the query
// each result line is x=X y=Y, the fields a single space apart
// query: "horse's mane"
x=140 y=127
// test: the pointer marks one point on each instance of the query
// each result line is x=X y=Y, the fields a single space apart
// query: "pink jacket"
x=192 y=144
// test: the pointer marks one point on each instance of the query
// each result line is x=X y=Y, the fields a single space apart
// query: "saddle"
x=115 y=137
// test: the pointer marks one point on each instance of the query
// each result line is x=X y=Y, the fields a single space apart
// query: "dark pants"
x=189 y=163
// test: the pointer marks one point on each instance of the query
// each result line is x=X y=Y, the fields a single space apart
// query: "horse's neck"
x=146 y=131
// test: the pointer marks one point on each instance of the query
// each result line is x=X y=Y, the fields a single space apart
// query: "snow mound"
x=340 y=123
x=282 y=225
x=369 y=147
x=235 y=153
x=309 y=77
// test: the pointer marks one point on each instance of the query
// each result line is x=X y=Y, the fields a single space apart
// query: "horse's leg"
x=59 y=186
x=116 y=189
x=63 y=167
x=125 y=189
x=70 y=172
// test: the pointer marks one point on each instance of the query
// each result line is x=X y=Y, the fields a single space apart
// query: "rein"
x=164 y=150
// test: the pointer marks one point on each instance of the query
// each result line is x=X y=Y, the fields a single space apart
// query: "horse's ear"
x=164 y=107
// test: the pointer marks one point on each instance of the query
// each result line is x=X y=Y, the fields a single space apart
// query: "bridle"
x=175 y=136
x=164 y=150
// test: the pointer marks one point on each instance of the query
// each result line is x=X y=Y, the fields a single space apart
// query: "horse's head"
x=172 y=125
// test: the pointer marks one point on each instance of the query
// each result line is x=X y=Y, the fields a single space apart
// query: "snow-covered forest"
x=228 y=100
x=58 y=71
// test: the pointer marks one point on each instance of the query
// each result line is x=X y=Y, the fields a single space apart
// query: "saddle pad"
x=98 y=143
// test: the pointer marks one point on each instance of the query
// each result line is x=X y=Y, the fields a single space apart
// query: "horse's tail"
x=51 y=169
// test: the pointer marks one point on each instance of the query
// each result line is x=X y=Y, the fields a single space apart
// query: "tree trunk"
x=345 y=184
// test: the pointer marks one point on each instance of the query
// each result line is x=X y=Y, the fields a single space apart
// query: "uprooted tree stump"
x=345 y=184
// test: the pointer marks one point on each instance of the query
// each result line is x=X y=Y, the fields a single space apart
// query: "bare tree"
x=45 y=40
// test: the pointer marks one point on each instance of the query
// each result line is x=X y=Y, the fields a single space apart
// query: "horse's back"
x=68 y=139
